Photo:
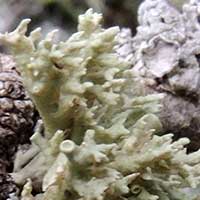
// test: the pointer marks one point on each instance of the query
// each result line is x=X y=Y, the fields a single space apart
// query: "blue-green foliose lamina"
x=99 y=141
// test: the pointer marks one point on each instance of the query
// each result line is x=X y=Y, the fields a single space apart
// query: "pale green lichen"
x=99 y=141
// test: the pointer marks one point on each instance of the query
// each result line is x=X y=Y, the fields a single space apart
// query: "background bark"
x=17 y=119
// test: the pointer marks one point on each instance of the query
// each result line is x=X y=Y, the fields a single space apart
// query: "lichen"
x=100 y=140
x=165 y=56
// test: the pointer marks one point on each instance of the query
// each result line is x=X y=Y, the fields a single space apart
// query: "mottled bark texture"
x=17 y=118
x=8 y=189
x=16 y=110
x=165 y=55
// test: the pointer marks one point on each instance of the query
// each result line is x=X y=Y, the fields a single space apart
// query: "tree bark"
x=17 y=119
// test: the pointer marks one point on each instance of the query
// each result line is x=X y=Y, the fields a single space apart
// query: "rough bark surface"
x=8 y=189
x=165 y=55
x=16 y=110
x=17 y=119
